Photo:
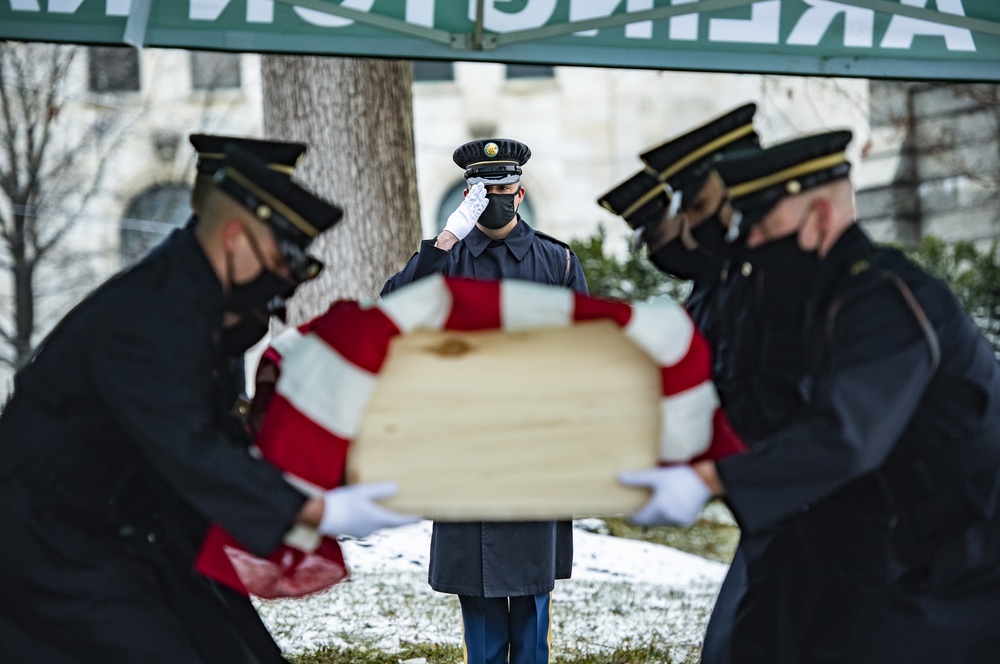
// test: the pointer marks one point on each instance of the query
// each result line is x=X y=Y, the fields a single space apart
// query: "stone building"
x=926 y=155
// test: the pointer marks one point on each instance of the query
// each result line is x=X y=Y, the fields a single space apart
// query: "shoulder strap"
x=930 y=335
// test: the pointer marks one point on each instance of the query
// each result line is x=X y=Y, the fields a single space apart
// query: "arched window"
x=150 y=217
x=453 y=199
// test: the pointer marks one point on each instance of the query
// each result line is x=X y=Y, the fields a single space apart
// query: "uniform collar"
x=852 y=246
x=518 y=241
x=202 y=283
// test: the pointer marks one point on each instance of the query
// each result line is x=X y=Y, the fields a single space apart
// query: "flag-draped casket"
x=314 y=383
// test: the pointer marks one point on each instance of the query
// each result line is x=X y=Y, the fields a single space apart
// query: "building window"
x=150 y=217
x=433 y=70
x=113 y=69
x=213 y=71
x=530 y=71
x=454 y=197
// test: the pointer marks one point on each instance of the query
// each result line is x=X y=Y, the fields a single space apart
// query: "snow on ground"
x=622 y=592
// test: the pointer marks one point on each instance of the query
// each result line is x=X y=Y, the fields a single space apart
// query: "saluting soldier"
x=112 y=437
x=503 y=573
x=882 y=492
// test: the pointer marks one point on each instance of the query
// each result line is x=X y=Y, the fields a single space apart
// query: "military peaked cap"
x=685 y=161
x=295 y=215
x=492 y=160
x=758 y=179
x=640 y=200
x=279 y=156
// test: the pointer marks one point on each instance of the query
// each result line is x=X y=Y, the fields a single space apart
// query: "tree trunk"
x=356 y=115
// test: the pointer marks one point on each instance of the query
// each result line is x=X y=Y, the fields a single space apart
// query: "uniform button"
x=151 y=538
x=747 y=269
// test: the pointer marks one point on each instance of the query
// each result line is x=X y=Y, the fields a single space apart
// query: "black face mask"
x=711 y=237
x=239 y=338
x=677 y=260
x=788 y=271
x=499 y=212
x=256 y=293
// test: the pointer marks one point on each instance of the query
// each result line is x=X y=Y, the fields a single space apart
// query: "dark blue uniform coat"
x=885 y=491
x=113 y=461
x=511 y=558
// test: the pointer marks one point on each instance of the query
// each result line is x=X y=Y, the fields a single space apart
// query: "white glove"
x=352 y=510
x=461 y=221
x=679 y=494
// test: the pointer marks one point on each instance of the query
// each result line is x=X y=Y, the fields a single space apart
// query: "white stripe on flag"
x=423 y=304
x=662 y=329
x=525 y=305
x=325 y=387
x=303 y=538
x=300 y=536
x=285 y=341
x=686 y=422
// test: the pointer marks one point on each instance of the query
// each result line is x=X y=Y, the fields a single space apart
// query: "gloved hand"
x=679 y=494
x=352 y=510
x=461 y=221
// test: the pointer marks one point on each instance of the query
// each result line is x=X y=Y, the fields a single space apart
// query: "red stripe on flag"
x=213 y=562
x=693 y=369
x=475 y=305
x=296 y=444
x=725 y=440
x=360 y=335
x=588 y=308
x=286 y=572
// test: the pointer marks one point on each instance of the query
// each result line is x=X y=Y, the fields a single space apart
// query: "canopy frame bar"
x=138 y=21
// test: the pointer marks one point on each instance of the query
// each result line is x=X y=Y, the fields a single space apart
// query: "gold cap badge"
x=491 y=149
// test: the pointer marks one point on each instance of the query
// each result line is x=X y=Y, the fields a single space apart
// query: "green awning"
x=906 y=39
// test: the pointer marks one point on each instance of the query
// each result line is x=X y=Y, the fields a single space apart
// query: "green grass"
x=708 y=539
x=650 y=653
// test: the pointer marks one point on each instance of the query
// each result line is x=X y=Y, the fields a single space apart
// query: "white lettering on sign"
x=761 y=28
x=64 y=6
x=902 y=29
x=581 y=10
x=534 y=14
x=111 y=8
x=859 y=24
x=325 y=20
x=684 y=28
x=258 y=11
x=420 y=12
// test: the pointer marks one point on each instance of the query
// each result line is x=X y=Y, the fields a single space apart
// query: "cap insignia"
x=491 y=149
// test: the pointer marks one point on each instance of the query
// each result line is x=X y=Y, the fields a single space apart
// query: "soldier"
x=503 y=573
x=882 y=491
x=111 y=439
x=752 y=322
x=240 y=331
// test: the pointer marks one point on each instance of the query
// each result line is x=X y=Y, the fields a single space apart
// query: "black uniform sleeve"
x=429 y=260
x=879 y=368
x=153 y=373
x=577 y=281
